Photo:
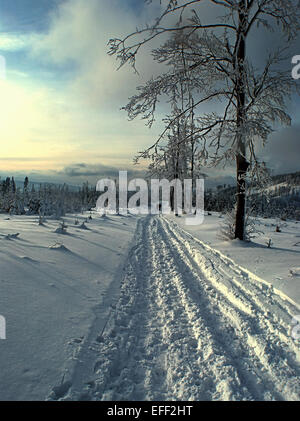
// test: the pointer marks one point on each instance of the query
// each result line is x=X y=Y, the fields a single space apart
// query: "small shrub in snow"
x=294 y=272
x=62 y=229
x=83 y=226
x=41 y=219
x=227 y=228
x=58 y=245
x=269 y=243
x=10 y=236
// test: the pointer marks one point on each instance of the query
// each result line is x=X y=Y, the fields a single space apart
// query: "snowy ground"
x=51 y=297
x=187 y=323
x=279 y=265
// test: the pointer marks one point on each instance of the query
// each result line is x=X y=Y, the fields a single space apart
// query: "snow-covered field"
x=147 y=309
x=53 y=287
x=279 y=264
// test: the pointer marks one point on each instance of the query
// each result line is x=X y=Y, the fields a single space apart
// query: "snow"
x=52 y=288
x=190 y=325
x=147 y=308
x=278 y=265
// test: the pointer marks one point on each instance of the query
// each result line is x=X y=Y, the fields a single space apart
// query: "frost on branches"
x=207 y=67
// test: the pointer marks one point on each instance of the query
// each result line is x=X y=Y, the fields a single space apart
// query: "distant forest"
x=280 y=199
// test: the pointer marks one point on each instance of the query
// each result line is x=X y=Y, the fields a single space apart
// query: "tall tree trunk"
x=241 y=161
x=174 y=206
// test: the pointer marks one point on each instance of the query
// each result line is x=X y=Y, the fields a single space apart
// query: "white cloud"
x=80 y=118
x=79 y=32
x=11 y=42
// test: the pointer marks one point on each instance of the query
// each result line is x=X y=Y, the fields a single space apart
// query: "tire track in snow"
x=261 y=300
x=224 y=279
x=265 y=340
x=188 y=327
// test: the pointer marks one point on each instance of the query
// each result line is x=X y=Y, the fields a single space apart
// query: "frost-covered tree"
x=175 y=156
x=248 y=100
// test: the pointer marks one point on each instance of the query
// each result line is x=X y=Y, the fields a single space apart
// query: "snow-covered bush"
x=227 y=227
x=62 y=229
x=269 y=243
x=83 y=226
x=41 y=219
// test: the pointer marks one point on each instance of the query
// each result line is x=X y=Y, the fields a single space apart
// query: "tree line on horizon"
x=281 y=200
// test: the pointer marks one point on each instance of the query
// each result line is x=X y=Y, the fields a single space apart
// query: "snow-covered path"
x=189 y=325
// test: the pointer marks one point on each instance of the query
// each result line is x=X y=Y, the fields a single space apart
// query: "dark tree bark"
x=241 y=161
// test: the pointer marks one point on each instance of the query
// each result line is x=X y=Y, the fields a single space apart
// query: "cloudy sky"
x=60 y=102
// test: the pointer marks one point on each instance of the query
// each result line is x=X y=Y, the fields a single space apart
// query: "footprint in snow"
x=28 y=259
x=61 y=390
